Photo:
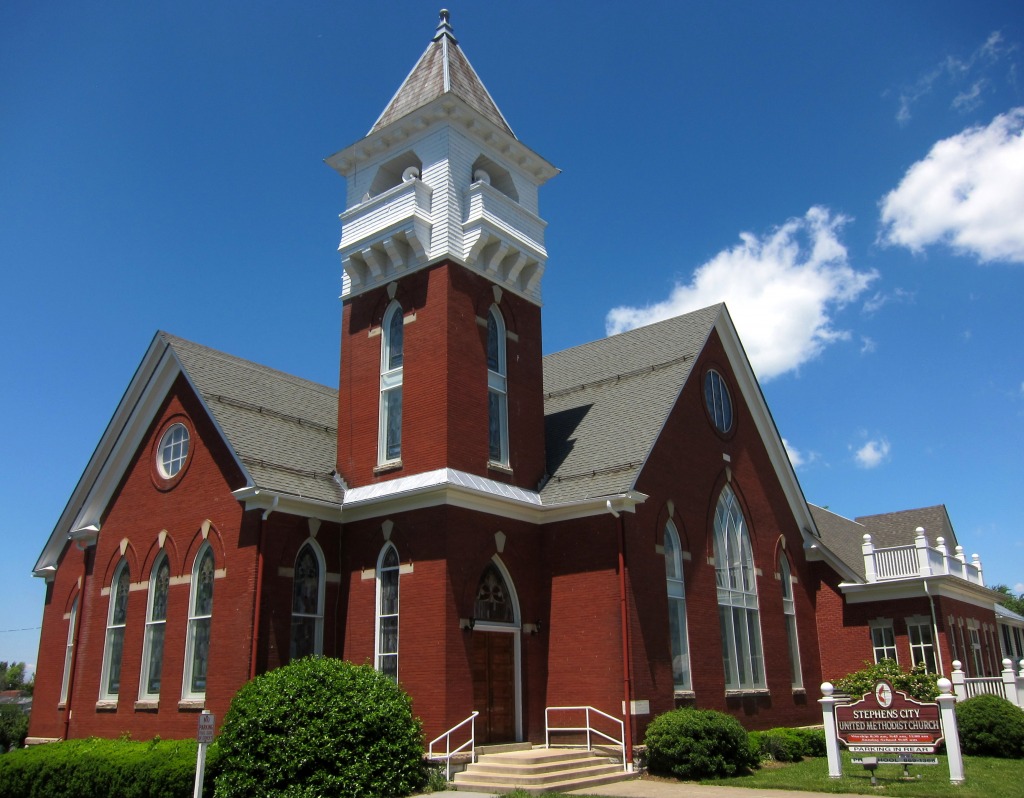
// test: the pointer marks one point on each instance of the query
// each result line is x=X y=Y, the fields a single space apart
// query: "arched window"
x=493 y=599
x=389 y=443
x=308 y=602
x=387 y=612
x=69 y=652
x=113 y=646
x=497 y=388
x=677 y=609
x=789 y=611
x=156 y=620
x=738 y=615
x=200 y=612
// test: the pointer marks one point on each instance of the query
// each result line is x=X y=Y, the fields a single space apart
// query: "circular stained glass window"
x=718 y=401
x=173 y=451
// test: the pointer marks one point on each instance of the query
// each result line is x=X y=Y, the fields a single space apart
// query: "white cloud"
x=967 y=193
x=781 y=290
x=867 y=345
x=873 y=453
x=795 y=458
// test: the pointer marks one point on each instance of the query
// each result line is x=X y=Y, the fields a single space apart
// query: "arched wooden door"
x=494 y=657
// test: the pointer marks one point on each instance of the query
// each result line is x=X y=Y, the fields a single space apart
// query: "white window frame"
x=919 y=651
x=879 y=627
x=196 y=621
x=173 y=450
x=386 y=661
x=391 y=379
x=718 y=401
x=977 y=660
x=678 y=627
x=789 y=612
x=318 y=615
x=155 y=628
x=115 y=632
x=69 y=652
x=497 y=388
x=738 y=612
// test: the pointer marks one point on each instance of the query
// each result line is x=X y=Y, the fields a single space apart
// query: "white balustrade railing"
x=449 y=752
x=918 y=559
x=1009 y=684
x=588 y=727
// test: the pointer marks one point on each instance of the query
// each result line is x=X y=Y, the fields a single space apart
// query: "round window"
x=173 y=451
x=718 y=401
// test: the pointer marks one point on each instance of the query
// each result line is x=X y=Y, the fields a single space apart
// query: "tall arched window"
x=497 y=388
x=113 y=646
x=789 y=612
x=742 y=654
x=308 y=602
x=389 y=443
x=677 y=609
x=200 y=613
x=69 y=652
x=156 y=620
x=387 y=612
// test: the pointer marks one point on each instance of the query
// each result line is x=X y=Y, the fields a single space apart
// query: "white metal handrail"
x=448 y=752
x=589 y=728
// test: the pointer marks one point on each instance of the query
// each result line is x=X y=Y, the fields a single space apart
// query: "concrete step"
x=539 y=770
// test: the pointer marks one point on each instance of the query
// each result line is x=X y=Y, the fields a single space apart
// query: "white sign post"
x=205 y=737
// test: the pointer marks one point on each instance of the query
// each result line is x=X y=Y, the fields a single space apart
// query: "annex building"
x=616 y=525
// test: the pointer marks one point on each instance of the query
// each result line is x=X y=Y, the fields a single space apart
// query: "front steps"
x=539 y=770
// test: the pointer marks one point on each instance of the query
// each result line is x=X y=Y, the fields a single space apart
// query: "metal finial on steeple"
x=444 y=27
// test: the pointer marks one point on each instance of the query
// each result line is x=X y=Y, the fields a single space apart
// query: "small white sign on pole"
x=207 y=722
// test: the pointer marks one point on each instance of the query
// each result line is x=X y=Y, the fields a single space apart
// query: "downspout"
x=624 y=619
x=73 y=665
x=254 y=651
x=935 y=630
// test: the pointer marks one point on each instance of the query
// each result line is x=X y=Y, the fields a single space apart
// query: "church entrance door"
x=494 y=686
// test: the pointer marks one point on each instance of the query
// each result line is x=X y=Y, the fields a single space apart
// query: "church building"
x=615 y=526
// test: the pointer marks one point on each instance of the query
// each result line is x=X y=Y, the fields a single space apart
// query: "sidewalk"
x=648 y=788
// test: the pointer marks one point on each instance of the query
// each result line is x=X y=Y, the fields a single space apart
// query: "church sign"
x=887 y=721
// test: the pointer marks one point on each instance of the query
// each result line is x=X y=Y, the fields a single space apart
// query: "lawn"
x=985 y=777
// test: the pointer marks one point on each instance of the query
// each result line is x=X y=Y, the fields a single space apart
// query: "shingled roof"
x=605 y=403
x=282 y=428
x=442 y=69
x=900 y=528
x=843 y=537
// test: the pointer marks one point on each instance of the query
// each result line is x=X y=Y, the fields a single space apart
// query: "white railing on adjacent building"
x=1009 y=684
x=919 y=559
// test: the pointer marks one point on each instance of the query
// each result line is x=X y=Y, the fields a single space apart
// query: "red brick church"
x=616 y=525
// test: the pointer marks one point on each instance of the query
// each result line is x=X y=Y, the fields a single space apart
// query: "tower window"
x=389 y=444
x=387 y=612
x=308 y=602
x=497 y=389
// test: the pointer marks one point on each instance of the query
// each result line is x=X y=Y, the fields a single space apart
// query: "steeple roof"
x=442 y=69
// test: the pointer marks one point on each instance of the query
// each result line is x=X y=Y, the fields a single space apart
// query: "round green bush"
x=990 y=726
x=319 y=727
x=813 y=741
x=698 y=744
x=781 y=744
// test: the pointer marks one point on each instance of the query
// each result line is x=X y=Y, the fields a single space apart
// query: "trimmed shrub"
x=916 y=683
x=782 y=745
x=13 y=728
x=990 y=726
x=813 y=741
x=320 y=726
x=111 y=768
x=698 y=744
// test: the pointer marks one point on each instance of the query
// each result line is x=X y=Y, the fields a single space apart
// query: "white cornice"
x=446 y=109
x=944 y=585
x=443 y=487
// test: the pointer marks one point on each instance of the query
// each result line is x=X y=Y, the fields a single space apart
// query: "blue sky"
x=848 y=177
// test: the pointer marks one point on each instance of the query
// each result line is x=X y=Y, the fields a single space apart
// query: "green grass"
x=984 y=777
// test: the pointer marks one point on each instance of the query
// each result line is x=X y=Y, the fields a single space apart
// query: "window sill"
x=799 y=691
x=147 y=706
x=192 y=704
x=62 y=705
x=390 y=465
x=753 y=691
x=685 y=694
x=106 y=705
x=493 y=465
